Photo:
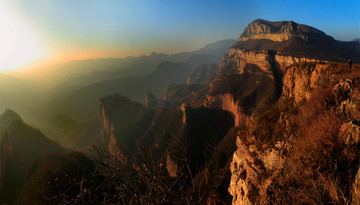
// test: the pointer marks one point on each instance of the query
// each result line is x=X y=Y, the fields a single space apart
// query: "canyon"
x=276 y=121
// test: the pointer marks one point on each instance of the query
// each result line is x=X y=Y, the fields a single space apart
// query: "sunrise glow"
x=18 y=46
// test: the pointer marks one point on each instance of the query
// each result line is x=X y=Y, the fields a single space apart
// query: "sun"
x=18 y=47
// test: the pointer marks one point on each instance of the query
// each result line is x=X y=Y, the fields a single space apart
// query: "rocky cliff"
x=276 y=122
x=271 y=86
x=291 y=99
x=128 y=128
x=279 y=31
x=288 y=38
x=250 y=81
x=150 y=100
x=266 y=60
x=274 y=138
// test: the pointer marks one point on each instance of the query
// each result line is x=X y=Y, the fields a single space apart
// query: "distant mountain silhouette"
x=20 y=94
x=71 y=133
x=79 y=73
x=84 y=100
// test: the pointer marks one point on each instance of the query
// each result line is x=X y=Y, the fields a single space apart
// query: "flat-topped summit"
x=279 y=31
x=287 y=38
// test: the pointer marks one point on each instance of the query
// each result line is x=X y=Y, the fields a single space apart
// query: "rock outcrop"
x=288 y=38
x=301 y=78
x=193 y=94
x=253 y=170
x=115 y=114
x=343 y=89
x=150 y=100
x=356 y=189
x=278 y=31
x=275 y=62
x=128 y=125
x=262 y=76
x=350 y=133
x=7 y=118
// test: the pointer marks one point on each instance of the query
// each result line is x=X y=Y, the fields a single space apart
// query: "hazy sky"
x=76 y=29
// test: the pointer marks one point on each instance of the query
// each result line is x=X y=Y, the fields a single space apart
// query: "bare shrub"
x=143 y=181
x=320 y=167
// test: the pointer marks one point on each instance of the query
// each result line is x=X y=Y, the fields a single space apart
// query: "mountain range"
x=270 y=118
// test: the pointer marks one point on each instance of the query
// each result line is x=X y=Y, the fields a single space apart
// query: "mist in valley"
x=183 y=102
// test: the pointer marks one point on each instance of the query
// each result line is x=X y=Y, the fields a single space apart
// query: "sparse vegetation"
x=144 y=181
x=273 y=123
x=320 y=168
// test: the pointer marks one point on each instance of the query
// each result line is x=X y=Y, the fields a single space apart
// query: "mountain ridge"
x=20 y=145
x=279 y=31
x=291 y=39
x=250 y=125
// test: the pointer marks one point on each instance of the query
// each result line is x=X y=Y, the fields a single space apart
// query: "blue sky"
x=117 y=28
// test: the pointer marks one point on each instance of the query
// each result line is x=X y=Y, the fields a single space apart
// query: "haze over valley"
x=182 y=102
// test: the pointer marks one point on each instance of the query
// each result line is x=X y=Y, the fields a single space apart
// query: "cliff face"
x=150 y=100
x=301 y=78
x=291 y=105
x=117 y=115
x=129 y=128
x=259 y=165
x=253 y=171
x=288 y=38
x=261 y=78
x=275 y=70
x=278 y=31
x=127 y=125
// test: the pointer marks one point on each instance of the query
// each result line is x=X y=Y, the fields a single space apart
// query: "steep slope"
x=68 y=171
x=299 y=152
x=195 y=89
x=128 y=127
x=192 y=94
x=203 y=74
x=71 y=132
x=253 y=74
x=20 y=146
x=290 y=103
x=277 y=122
x=291 y=39
x=6 y=119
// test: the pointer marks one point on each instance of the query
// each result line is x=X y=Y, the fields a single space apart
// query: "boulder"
x=350 y=132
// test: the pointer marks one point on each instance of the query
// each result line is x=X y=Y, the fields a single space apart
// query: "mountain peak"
x=9 y=115
x=150 y=101
x=278 y=31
